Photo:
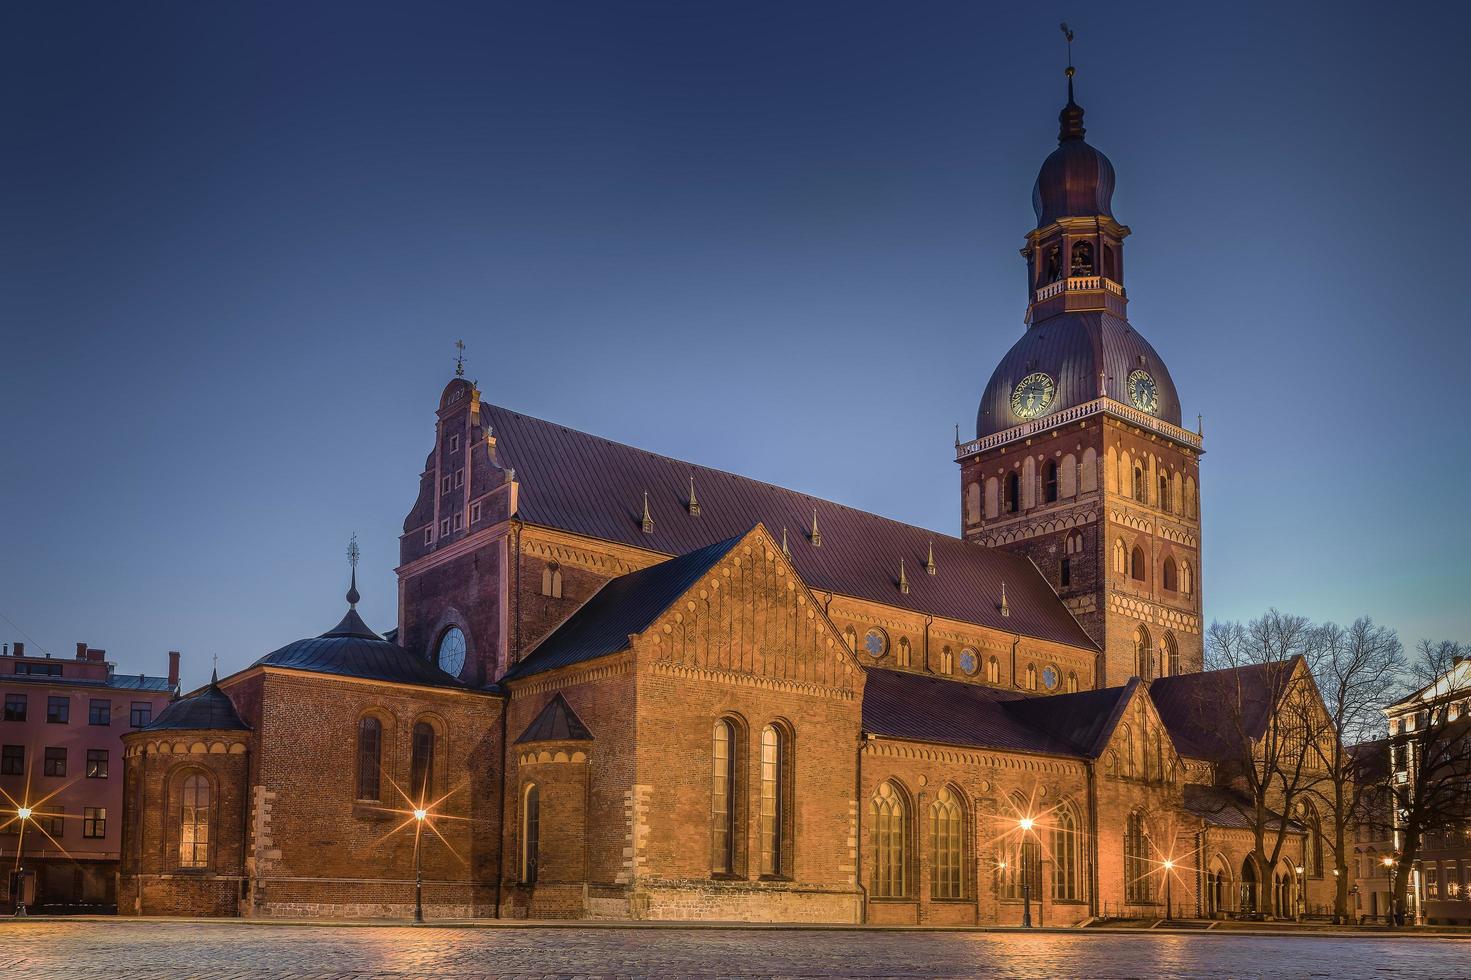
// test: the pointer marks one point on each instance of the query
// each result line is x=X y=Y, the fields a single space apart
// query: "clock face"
x=452 y=651
x=1143 y=392
x=1032 y=396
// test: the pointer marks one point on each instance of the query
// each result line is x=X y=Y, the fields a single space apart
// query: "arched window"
x=1066 y=874
x=1126 y=737
x=1312 y=845
x=1164 y=492
x=421 y=764
x=947 y=837
x=1191 y=503
x=889 y=816
x=1143 y=654
x=1139 y=488
x=1110 y=266
x=1072 y=682
x=1136 y=564
x=370 y=758
x=902 y=656
x=551 y=580
x=1082 y=259
x=1169 y=577
x=1013 y=492
x=722 y=799
x=1187 y=578
x=993 y=670
x=947 y=661
x=194 y=821
x=1248 y=885
x=1031 y=677
x=1120 y=557
x=1170 y=661
x=1049 y=482
x=530 y=833
x=1159 y=755
x=1075 y=542
x=773 y=799
x=1021 y=855
x=1138 y=879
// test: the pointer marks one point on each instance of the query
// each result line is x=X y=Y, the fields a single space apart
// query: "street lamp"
x=1301 y=905
x=420 y=814
x=23 y=814
x=1025 y=823
x=1389 y=864
x=1169 y=876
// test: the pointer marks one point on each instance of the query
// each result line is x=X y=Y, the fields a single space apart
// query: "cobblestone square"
x=125 y=950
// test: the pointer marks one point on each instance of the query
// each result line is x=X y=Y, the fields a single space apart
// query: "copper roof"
x=586 y=485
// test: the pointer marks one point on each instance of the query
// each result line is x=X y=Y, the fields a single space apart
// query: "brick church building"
x=628 y=686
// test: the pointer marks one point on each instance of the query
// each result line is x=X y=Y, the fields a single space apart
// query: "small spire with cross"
x=460 y=359
x=214 y=675
x=352 y=559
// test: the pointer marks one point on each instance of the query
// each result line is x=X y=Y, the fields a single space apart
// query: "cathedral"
x=626 y=686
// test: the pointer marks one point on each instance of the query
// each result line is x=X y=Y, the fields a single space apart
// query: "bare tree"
x=1263 y=698
x=1429 y=785
x=1358 y=671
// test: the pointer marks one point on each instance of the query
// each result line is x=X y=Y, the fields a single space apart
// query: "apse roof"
x=557 y=722
x=207 y=708
x=587 y=485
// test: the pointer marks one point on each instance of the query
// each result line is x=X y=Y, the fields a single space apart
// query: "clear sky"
x=239 y=241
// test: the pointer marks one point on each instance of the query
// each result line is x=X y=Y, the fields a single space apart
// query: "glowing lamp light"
x=1388 y=862
x=24 y=813
x=1169 y=865
x=1025 y=823
x=1299 y=869
x=420 y=813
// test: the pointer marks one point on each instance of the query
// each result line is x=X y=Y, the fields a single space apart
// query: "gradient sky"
x=239 y=241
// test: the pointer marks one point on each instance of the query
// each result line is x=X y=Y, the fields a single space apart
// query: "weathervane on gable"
x=460 y=359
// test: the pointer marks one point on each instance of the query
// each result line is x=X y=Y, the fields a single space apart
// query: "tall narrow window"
x=771 y=800
x=1170 y=655
x=530 y=834
x=993 y=670
x=890 y=828
x=1013 y=492
x=1065 y=874
x=1140 y=493
x=1169 y=576
x=1136 y=564
x=421 y=764
x=1143 y=654
x=1138 y=881
x=370 y=757
x=1049 y=482
x=194 y=821
x=1164 y=493
x=947 y=828
x=722 y=799
x=1120 y=557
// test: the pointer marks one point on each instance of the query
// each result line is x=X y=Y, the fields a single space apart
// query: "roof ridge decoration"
x=903 y=580
x=694 y=501
x=816 y=536
x=929 y=565
x=648 y=521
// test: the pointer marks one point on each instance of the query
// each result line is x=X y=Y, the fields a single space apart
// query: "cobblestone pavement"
x=132 y=949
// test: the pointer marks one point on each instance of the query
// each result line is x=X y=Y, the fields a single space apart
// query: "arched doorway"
x=1248 y=885
x=1282 y=897
x=1217 y=888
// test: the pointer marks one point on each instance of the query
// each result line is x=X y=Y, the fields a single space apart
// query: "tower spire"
x=352 y=559
x=460 y=356
x=1070 y=120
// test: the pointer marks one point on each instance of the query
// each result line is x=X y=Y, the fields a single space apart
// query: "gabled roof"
x=918 y=707
x=623 y=607
x=1192 y=706
x=557 y=722
x=1220 y=807
x=589 y=486
x=207 y=708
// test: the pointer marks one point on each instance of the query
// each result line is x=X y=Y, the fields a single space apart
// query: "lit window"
x=772 y=803
x=1065 y=852
x=194 y=822
x=722 y=799
x=947 y=829
x=530 y=834
x=890 y=829
x=97 y=763
x=94 y=822
x=1138 y=876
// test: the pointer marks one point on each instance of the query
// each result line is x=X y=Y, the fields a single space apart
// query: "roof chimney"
x=96 y=655
x=81 y=651
x=20 y=649
x=173 y=668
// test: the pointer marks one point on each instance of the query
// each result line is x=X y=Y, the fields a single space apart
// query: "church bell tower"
x=1080 y=461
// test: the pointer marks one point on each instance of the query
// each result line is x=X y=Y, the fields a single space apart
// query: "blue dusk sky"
x=240 y=240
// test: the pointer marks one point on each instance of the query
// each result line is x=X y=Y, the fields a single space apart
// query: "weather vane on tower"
x=460 y=359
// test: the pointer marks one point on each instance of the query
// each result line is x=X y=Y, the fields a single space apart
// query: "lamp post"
x=1389 y=864
x=1025 y=823
x=1169 y=876
x=1301 y=905
x=419 y=815
x=23 y=814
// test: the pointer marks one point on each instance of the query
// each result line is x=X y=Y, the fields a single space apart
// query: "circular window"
x=969 y=662
x=1049 y=678
x=876 y=642
x=451 y=655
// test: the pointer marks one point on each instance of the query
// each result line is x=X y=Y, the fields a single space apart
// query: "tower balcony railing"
x=1074 y=283
x=1097 y=406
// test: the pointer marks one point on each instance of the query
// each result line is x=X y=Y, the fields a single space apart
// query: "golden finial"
x=694 y=501
x=786 y=552
x=648 y=522
x=903 y=579
x=816 y=534
x=929 y=565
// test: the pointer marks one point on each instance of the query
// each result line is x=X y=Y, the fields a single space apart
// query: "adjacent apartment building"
x=61 y=780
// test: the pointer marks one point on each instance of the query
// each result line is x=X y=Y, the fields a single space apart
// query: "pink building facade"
x=61 y=756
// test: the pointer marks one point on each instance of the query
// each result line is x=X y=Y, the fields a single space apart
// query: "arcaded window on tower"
x=1013 y=492
x=1164 y=493
x=1137 y=566
x=1049 y=482
x=1082 y=259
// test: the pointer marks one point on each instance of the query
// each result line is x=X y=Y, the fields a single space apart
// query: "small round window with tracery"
x=969 y=662
x=876 y=642
x=1049 y=678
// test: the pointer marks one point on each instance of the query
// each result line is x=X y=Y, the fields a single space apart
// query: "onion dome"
x=1085 y=355
x=207 y=708
x=1076 y=180
x=351 y=649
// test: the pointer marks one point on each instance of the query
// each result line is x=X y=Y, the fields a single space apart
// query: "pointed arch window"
x=773 y=799
x=1138 y=879
x=889 y=816
x=194 y=811
x=1136 y=564
x=1187 y=579
x=530 y=834
x=1049 y=482
x=947 y=838
x=1164 y=493
x=1170 y=657
x=1169 y=576
x=1031 y=677
x=1072 y=682
x=1066 y=872
x=1143 y=654
x=1140 y=493
x=551 y=580
x=1120 y=557
x=993 y=670
x=722 y=799
x=369 y=758
x=1013 y=493
x=902 y=654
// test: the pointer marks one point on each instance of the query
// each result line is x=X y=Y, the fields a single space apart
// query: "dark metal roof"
x=351 y=649
x=899 y=704
x=1370 y=760
x=1076 y=180
x=557 y=722
x=1194 y=708
x=622 y=608
x=139 y=682
x=1221 y=807
x=586 y=485
x=1073 y=348
x=122 y=682
x=209 y=707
